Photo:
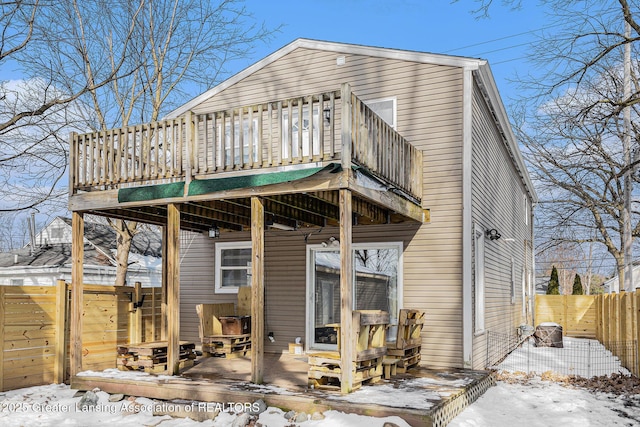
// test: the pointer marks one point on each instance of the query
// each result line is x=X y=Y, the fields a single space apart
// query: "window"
x=56 y=232
x=233 y=266
x=377 y=286
x=308 y=146
x=385 y=108
x=524 y=294
x=227 y=160
x=513 y=281
x=479 y=278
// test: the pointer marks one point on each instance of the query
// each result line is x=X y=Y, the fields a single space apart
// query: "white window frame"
x=479 y=278
x=524 y=294
x=309 y=332
x=370 y=103
x=221 y=246
x=513 y=280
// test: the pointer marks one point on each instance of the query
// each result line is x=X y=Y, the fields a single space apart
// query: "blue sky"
x=436 y=26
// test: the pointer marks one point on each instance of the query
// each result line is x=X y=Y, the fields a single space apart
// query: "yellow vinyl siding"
x=497 y=200
x=429 y=115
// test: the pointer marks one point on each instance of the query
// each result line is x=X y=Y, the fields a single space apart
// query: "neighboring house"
x=612 y=286
x=332 y=148
x=50 y=259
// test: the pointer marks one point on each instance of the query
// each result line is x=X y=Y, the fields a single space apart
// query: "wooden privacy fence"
x=617 y=323
x=612 y=319
x=34 y=329
x=575 y=313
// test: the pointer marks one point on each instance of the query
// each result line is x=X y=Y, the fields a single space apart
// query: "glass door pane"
x=376 y=284
x=326 y=296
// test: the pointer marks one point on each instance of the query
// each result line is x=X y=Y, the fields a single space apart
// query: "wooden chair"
x=369 y=338
x=406 y=348
x=213 y=320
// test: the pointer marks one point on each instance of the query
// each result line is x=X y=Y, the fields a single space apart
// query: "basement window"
x=232 y=266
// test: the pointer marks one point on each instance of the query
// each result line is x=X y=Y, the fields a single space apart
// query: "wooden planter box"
x=236 y=325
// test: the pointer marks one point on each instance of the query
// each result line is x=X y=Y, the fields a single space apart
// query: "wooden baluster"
x=250 y=147
x=289 y=132
x=270 y=137
x=300 y=129
x=214 y=143
x=260 y=136
x=310 y=107
x=321 y=125
x=241 y=162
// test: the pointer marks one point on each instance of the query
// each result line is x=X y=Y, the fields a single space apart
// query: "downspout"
x=467 y=222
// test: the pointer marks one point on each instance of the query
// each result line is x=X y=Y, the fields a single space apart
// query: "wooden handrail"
x=312 y=129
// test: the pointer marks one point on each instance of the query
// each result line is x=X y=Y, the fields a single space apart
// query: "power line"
x=505 y=37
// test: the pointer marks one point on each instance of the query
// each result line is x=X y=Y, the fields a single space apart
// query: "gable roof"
x=352 y=49
x=480 y=68
x=100 y=245
x=51 y=256
x=145 y=242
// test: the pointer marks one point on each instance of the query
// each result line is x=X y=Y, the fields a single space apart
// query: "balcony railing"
x=304 y=130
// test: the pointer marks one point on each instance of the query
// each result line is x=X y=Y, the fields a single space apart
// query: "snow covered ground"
x=536 y=403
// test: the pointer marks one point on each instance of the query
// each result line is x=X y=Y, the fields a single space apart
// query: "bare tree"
x=164 y=52
x=575 y=135
x=36 y=111
x=573 y=146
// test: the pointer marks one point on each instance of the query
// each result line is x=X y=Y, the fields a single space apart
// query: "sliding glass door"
x=377 y=286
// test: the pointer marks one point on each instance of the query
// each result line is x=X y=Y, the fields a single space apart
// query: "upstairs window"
x=385 y=108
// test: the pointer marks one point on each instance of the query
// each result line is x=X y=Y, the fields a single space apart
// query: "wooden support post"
x=345 y=155
x=135 y=331
x=60 y=343
x=173 y=288
x=346 y=293
x=257 y=287
x=77 y=292
x=163 y=293
x=2 y=322
x=636 y=297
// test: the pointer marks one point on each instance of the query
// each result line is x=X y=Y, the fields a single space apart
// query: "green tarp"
x=151 y=192
x=204 y=186
x=257 y=180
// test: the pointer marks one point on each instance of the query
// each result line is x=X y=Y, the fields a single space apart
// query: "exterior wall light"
x=493 y=234
x=327 y=116
x=214 y=232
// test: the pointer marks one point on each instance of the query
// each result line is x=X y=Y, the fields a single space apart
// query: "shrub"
x=554 y=284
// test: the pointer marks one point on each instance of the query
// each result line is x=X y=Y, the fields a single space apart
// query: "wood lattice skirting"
x=450 y=408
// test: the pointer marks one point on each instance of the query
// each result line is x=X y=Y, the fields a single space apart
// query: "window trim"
x=479 y=279
x=394 y=101
x=221 y=246
x=513 y=280
x=309 y=321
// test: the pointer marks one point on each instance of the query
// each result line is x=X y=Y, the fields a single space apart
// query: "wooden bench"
x=214 y=340
x=152 y=356
x=408 y=344
x=369 y=337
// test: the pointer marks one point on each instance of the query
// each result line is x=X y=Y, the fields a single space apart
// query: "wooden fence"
x=34 y=329
x=576 y=314
x=618 y=323
x=612 y=319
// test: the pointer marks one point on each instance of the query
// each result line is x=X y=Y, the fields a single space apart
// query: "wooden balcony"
x=285 y=135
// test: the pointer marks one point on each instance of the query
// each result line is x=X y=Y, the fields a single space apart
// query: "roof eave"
x=488 y=82
x=353 y=49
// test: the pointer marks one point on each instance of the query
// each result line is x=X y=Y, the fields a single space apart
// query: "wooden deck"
x=422 y=397
x=309 y=130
